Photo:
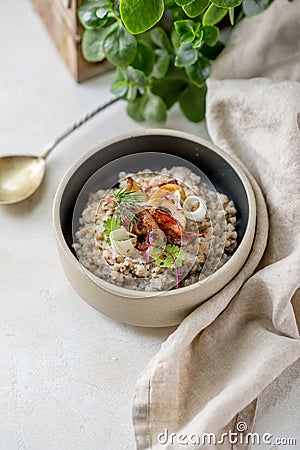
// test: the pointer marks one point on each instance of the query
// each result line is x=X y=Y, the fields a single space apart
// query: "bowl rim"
x=129 y=293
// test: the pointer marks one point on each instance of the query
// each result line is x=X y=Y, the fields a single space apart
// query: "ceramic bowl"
x=139 y=307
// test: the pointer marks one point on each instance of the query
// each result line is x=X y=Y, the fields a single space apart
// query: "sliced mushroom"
x=163 y=197
x=163 y=203
x=134 y=186
x=172 y=188
x=123 y=242
x=180 y=217
x=194 y=208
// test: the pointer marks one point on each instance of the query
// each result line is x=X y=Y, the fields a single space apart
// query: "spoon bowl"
x=20 y=176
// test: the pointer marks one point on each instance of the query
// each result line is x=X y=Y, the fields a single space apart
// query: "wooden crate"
x=61 y=21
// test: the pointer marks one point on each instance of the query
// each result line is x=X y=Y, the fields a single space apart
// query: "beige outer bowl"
x=142 y=308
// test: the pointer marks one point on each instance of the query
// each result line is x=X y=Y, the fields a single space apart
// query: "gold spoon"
x=21 y=175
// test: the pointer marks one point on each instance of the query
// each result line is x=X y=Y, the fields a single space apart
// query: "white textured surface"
x=67 y=373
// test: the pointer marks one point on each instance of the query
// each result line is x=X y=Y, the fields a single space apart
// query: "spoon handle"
x=74 y=127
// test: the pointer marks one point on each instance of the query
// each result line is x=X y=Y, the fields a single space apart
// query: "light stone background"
x=67 y=373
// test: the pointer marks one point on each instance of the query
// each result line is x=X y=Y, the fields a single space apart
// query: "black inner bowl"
x=223 y=177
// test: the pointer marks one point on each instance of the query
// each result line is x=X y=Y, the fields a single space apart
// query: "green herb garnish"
x=126 y=204
x=111 y=224
x=168 y=256
x=171 y=256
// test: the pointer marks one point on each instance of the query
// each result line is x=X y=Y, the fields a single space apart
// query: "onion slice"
x=123 y=242
x=199 y=213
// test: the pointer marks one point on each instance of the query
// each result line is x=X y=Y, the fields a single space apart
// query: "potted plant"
x=162 y=49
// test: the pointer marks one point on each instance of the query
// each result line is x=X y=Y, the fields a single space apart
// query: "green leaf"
x=195 y=8
x=160 y=39
x=155 y=109
x=198 y=41
x=135 y=109
x=162 y=62
x=162 y=51
x=169 y=89
x=185 y=30
x=186 y=55
x=253 y=7
x=192 y=102
x=226 y=3
x=119 y=85
x=231 y=16
x=137 y=77
x=213 y=15
x=149 y=107
x=199 y=71
x=175 y=39
x=169 y=3
x=119 y=45
x=144 y=58
x=173 y=256
x=141 y=15
x=119 y=88
x=87 y=15
x=210 y=35
x=91 y=45
x=111 y=224
x=212 y=52
x=183 y=2
x=128 y=83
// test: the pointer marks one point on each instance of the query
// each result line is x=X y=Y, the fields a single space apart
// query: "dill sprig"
x=126 y=203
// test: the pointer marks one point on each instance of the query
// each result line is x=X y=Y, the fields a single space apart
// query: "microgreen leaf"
x=231 y=16
x=87 y=14
x=169 y=89
x=155 y=109
x=210 y=35
x=192 y=102
x=119 y=86
x=186 y=55
x=92 y=45
x=213 y=15
x=185 y=30
x=111 y=224
x=119 y=45
x=226 y=3
x=195 y=8
x=144 y=58
x=183 y=2
x=135 y=109
x=128 y=83
x=162 y=51
x=162 y=62
x=160 y=39
x=199 y=71
x=140 y=15
x=167 y=261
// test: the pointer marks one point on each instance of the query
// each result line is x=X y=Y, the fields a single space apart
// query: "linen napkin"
x=209 y=372
x=266 y=45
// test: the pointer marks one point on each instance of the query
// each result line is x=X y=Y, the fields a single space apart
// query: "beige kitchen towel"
x=266 y=45
x=229 y=349
x=208 y=373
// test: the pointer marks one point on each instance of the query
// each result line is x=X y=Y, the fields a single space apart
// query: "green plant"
x=162 y=49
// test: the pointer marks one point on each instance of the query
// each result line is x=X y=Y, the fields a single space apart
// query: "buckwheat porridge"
x=156 y=231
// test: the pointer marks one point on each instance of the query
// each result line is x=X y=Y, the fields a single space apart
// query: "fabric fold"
x=207 y=376
x=212 y=368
